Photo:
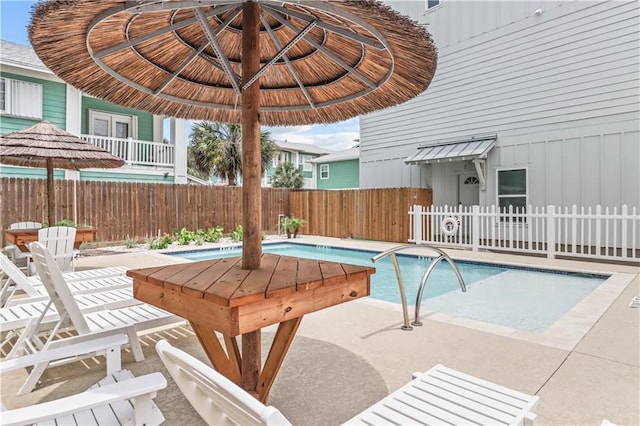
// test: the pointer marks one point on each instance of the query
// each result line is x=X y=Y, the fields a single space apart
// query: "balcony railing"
x=136 y=152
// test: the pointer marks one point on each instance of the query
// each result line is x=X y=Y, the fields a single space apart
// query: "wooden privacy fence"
x=370 y=214
x=137 y=210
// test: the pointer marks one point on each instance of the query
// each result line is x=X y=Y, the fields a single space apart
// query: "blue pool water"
x=520 y=298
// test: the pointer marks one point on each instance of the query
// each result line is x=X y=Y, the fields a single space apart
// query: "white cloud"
x=337 y=137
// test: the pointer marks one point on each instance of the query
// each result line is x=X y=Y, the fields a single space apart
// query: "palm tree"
x=287 y=176
x=217 y=149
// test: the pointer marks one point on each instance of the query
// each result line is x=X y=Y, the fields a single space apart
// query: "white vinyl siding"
x=20 y=98
x=554 y=87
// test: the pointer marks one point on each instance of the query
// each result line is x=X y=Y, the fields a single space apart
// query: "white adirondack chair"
x=15 y=253
x=217 y=399
x=130 y=320
x=59 y=240
x=118 y=399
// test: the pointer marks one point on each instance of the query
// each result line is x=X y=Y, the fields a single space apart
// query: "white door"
x=468 y=189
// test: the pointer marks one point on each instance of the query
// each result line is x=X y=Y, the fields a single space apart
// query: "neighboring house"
x=533 y=103
x=339 y=170
x=29 y=93
x=298 y=154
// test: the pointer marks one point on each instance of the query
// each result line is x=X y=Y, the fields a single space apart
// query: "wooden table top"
x=220 y=294
x=23 y=236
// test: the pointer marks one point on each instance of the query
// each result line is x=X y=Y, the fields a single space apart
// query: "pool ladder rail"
x=403 y=296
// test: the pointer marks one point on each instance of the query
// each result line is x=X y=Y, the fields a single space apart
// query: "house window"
x=512 y=189
x=107 y=124
x=472 y=180
x=305 y=162
x=324 y=171
x=20 y=98
x=432 y=3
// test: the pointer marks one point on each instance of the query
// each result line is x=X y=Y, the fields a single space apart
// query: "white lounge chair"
x=130 y=320
x=31 y=288
x=438 y=396
x=445 y=396
x=17 y=322
x=118 y=399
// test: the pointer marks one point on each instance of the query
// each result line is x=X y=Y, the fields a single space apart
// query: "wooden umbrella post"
x=251 y=188
x=251 y=157
x=51 y=195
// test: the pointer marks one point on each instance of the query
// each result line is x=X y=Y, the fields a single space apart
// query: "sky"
x=16 y=14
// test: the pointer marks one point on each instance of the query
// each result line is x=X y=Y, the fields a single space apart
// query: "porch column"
x=179 y=140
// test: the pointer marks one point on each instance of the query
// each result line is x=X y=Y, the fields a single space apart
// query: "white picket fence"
x=601 y=233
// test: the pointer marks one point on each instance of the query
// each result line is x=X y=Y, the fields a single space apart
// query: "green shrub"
x=185 y=237
x=130 y=242
x=236 y=235
x=214 y=234
x=161 y=243
x=65 y=222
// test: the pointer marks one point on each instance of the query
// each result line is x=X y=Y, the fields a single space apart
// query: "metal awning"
x=464 y=149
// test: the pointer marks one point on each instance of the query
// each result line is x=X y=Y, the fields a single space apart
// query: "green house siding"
x=28 y=172
x=342 y=174
x=54 y=98
x=91 y=175
x=145 y=119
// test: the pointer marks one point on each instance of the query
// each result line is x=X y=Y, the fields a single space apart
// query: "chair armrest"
x=104 y=395
x=74 y=346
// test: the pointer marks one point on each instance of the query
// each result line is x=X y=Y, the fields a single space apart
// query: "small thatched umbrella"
x=241 y=61
x=45 y=145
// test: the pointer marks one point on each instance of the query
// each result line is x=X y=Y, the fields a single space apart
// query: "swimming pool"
x=519 y=298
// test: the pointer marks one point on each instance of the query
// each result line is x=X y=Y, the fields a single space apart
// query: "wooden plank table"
x=219 y=296
x=22 y=237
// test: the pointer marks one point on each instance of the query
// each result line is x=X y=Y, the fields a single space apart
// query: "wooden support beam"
x=251 y=155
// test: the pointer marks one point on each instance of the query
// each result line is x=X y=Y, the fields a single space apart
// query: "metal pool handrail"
x=442 y=255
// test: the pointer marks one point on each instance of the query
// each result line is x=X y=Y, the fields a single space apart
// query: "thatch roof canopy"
x=43 y=142
x=323 y=61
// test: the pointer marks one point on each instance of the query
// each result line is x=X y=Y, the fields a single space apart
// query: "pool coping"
x=564 y=334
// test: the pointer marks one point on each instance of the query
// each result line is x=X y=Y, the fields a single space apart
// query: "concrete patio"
x=347 y=357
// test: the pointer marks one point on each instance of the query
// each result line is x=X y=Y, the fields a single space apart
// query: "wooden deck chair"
x=31 y=289
x=59 y=240
x=216 y=398
x=118 y=399
x=130 y=320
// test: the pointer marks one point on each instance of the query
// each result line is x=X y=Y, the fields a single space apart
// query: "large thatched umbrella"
x=47 y=146
x=240 y=61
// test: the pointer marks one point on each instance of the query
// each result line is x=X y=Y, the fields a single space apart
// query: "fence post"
x=417 y=224
x=551 y=232
x=475 y=228
x=623 y=232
